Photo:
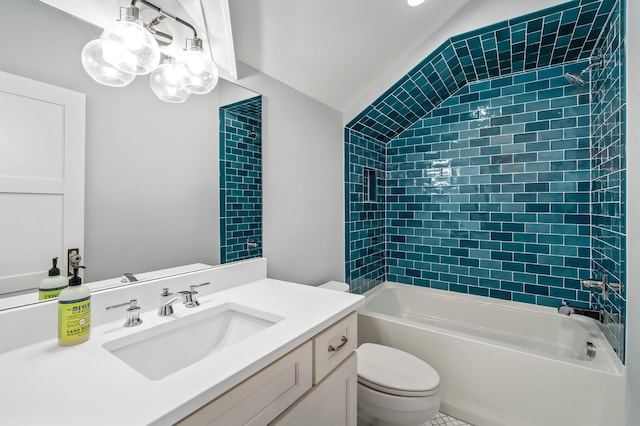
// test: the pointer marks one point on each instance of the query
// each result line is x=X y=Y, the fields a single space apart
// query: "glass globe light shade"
x=134 y=49
x=202 y=72
x=100 y=70
x=168 y=82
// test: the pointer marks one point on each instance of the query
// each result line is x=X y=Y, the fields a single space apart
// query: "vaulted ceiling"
x=346 y=53
x=343 y=53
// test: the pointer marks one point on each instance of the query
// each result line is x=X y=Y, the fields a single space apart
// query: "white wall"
x=303 y=201
x=151 y=167
x=231 y=93
x=633 y=213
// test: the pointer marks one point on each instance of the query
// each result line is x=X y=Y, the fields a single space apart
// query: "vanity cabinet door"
x=259 y=399
x=331 y=402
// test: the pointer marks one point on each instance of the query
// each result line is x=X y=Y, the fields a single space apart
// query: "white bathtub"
x=501 y=362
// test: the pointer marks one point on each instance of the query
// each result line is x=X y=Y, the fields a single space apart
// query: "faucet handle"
x=194 y=299
x=193 y=287
x=166 y=292
x=133 y=312
x=133 y=305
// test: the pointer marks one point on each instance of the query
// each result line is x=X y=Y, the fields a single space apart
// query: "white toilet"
x=395 y=388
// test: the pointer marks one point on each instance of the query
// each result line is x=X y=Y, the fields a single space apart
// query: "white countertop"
x=45 y=384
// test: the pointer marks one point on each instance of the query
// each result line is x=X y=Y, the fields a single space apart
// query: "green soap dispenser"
x=51 y=286
x=74 y=312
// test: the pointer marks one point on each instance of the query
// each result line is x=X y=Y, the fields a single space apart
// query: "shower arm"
x=599 y=63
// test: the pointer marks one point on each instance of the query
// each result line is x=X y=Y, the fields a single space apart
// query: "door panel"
x=41 y=179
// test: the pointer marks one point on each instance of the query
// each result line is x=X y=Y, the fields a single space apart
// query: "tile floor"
x=444 y=420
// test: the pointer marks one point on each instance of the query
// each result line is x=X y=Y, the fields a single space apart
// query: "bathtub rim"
x=611 y=364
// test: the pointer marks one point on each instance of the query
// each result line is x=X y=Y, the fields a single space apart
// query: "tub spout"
x=565 y=309
x=597 y=314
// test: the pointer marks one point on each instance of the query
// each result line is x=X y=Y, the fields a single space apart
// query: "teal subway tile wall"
x=488 y=176
x=365 y=223
x=608 y=175
x=241 y=180
x=489 y=193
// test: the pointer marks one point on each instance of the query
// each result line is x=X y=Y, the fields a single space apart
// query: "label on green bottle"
x=50 y=293
x=74 y=318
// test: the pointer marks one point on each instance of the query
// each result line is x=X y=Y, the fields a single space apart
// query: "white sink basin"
x=165 y=349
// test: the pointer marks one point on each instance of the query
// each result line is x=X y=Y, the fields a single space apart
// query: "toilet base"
x=379 y=409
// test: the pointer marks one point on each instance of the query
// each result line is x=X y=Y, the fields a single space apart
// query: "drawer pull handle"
x=343 y=342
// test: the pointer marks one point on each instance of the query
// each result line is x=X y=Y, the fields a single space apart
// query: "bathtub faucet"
x=597 y=314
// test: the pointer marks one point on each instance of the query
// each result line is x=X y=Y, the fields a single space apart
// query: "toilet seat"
x=395 y=372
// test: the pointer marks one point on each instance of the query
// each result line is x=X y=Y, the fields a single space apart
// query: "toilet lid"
x=393 y=371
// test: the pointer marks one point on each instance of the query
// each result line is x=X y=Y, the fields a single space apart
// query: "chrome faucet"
x=596 y=314
x=128 y=277
x=188 y=298
x=166 y=309
x=133 y=312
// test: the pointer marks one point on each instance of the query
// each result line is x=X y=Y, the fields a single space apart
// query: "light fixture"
x=129 y=47
x=414 y=3
x=202 y=71
x=168 y=81
x=135 y=50
x=94 y=63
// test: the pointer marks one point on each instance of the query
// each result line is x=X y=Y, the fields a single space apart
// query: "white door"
x=42 y=132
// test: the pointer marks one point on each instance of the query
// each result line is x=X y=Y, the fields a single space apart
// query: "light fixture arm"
x=162 y=38
x=168 y=15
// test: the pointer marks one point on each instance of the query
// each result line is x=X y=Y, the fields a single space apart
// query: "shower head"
x=577 y=78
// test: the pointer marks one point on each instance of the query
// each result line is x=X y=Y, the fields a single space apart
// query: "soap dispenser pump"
x=51 y=286
x=74 y=312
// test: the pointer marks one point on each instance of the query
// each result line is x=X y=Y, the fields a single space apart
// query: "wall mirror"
x=152 y=183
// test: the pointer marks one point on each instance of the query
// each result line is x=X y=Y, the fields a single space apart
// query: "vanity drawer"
x=263 y=396
x=334 y=345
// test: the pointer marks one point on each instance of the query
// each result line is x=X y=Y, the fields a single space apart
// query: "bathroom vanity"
x=313 y=384
x=256 y=351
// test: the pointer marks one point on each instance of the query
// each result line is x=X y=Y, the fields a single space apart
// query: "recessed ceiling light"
x=414 y=3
